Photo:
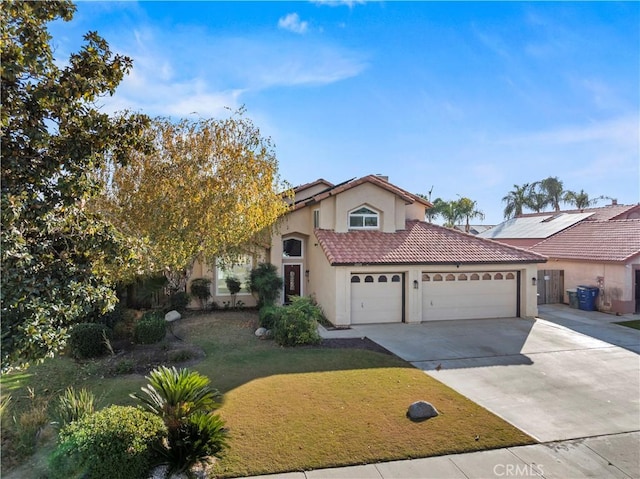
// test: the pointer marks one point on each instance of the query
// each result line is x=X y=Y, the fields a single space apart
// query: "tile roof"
x=608 y=241
x=599 y=213
x=409 y=198
x=420 y=243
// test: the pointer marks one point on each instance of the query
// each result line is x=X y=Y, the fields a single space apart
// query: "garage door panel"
x=493 y=297
x=376 y=301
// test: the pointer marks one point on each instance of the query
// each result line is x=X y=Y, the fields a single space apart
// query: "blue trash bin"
x=587 y=297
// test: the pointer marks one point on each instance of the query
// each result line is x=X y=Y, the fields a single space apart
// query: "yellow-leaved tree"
x=209 y=189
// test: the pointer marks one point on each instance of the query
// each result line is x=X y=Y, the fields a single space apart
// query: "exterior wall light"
x=534 y=281
x=415 y=284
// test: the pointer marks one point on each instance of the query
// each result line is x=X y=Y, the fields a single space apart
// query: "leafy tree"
x=516 y=200
x=209 y=187
x=58 y=258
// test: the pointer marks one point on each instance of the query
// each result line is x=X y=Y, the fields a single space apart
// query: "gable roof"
x=419 y=243
x=334 y=190
x=319 y=181
x=606 y=241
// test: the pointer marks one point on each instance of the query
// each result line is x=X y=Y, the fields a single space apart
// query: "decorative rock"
x=261 y=332
x=421 y=411
x=268 y=334
x=172 y=316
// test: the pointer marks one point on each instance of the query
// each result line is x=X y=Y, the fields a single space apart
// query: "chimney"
x=614 y=201
x=382 y=177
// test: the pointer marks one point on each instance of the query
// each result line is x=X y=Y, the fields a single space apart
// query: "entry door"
x=292 y=281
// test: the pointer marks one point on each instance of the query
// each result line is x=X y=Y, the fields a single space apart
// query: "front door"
x=292 y=281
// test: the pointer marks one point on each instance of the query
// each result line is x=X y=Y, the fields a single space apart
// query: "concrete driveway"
x=571 y=375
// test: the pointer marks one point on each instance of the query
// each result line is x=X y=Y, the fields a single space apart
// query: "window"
x=316 y=218
x=363 y=218
x=450 y=277
x=355 y=279
x=395 y=278
x=382 y=279
x=240 y=271
x=292 y=248
x=368 y=279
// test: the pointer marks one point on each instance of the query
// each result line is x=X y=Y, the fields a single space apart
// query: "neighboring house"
x=605 y=254
x=590 y=247
x=473 y=229
x=363 y=250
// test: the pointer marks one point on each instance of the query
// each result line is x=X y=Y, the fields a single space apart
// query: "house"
x=593 y=246
x=362 y=249
x=473 y=229
x=605 y=254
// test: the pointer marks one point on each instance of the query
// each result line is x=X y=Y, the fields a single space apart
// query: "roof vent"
x=382 y=177
x=551 y=218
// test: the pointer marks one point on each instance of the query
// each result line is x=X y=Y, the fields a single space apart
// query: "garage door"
x=376 y=298
x=482 y=294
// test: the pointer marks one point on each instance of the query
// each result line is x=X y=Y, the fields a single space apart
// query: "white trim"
x=376 y=215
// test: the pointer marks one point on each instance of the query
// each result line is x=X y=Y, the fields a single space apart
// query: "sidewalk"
x=603 y=457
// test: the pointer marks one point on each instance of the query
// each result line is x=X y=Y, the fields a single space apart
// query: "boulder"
x=172 y=316
x=261 y=332
x=421 y=411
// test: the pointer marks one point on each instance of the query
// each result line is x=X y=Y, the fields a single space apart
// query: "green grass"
x=299 y=408
x=634 y=323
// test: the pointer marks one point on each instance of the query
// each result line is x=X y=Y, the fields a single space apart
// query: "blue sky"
x=465 y=98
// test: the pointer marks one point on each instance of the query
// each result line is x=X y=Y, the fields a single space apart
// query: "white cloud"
x=293 y=23
x=339 y=3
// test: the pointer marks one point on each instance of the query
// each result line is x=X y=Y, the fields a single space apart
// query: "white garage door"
x=482 y=294
x=376 y=298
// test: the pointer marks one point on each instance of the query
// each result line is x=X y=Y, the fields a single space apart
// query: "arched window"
x=498 y=276
x=486 y=276
x=368 y=279
x=451 y=277
x=292 y=248
x=355 y=279
x=475 y=277
x=510 y=276
x=395 y=278
x=363 y=218
x=462 y=277
x=382 y=279
x=426 y=277
x=437 y=277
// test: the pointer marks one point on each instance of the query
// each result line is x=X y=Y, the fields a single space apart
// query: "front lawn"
x=299 y=408
x=634 y=323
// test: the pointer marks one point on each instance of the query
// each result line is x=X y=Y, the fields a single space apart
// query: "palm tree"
x=468 y=210
x=516 y=199
x=580 y=200
x=449 y=211
x=437 y=208
x=552 y=189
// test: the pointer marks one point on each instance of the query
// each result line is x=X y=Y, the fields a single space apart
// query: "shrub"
x=116 y=442
x=265 y=282
x=179 y=301
x=268 y=316
x=201 y=289
x=125 y=366
x=150 y=329
x=298 y=323
x=73 y=405
x=182 y=398
x=30 y=423
x=111 y=318
x=87 y=340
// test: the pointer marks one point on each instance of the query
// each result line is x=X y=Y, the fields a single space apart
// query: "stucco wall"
x=616 y=282
x=371 y=195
